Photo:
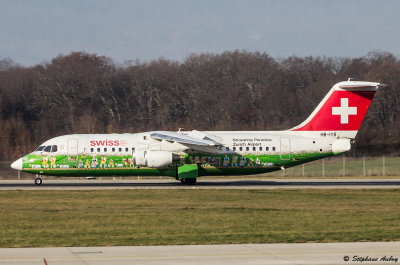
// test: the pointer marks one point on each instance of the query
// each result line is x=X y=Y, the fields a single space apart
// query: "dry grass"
x=157 y=217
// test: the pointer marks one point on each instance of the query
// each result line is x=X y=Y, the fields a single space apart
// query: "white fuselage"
x=242 y=142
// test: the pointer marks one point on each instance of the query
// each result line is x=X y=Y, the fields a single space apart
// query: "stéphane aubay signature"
x=187 y=155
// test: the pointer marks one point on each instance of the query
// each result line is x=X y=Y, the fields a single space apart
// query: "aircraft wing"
x=184 y=139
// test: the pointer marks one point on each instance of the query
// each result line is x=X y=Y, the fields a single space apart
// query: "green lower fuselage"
x=208 y=164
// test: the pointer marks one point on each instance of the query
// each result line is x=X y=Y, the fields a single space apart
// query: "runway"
x=68 y=184
x=303 y=253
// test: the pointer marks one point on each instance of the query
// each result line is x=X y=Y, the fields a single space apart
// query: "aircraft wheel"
x=38 y=181
x=188 y=181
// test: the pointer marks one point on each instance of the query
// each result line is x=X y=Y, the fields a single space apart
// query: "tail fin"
x=342 y=110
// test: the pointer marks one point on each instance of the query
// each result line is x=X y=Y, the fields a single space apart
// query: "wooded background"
x=237 y=90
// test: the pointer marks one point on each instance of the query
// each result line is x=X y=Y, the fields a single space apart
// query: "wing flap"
x=183 y=138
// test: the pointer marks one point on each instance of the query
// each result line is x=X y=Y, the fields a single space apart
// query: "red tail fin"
x=342 y=109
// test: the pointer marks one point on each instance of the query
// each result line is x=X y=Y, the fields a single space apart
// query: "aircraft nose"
x=17 y=164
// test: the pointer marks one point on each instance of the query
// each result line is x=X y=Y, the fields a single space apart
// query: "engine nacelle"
x=158 y=158
x=139 y=157
x=153 y=159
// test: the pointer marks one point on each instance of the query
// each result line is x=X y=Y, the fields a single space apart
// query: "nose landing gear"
x=38 y=180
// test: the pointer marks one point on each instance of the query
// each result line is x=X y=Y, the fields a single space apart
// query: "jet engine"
x=154 y=159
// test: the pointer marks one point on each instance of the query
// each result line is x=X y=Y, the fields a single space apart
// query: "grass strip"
x=167 y=217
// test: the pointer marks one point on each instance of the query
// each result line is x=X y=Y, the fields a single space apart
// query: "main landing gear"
x=188 y=174
x=188 y=181
x=38 y=180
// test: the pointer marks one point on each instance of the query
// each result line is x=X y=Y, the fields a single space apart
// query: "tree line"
x=235 y=90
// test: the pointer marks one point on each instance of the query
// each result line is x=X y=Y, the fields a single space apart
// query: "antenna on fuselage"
x=350 y=78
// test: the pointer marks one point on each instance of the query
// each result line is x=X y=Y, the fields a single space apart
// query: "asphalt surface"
x=241 y=254
x=96 y=184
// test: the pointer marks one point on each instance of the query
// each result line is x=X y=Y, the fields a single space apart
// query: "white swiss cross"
x=344 y=111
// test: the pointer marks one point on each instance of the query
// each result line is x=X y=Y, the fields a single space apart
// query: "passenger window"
x=105 y=149
x=254 y=148
x=234 y=148
x=126 y=149
x=260 y=148
x=113 y=149
x=240 y=148
x=98 y=149
x=120 y=149
x=47 y=148
x=247 y=148
x=227 y=149
x=91 y=149
x=266 y=148
x=273 y=148
x=54 y=148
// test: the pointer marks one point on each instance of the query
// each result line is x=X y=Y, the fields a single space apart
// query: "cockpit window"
x=54 y=148
x=40 y=148
x=47 y=148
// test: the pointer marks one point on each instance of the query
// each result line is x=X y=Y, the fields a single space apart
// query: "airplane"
x=187 y=155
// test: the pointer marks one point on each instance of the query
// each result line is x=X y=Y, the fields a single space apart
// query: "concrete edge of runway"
x=94 y=184
x=294 y=253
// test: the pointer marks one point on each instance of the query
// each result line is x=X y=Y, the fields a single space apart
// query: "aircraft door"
x=72 y=149
x=285 y=148
x=134 y=156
